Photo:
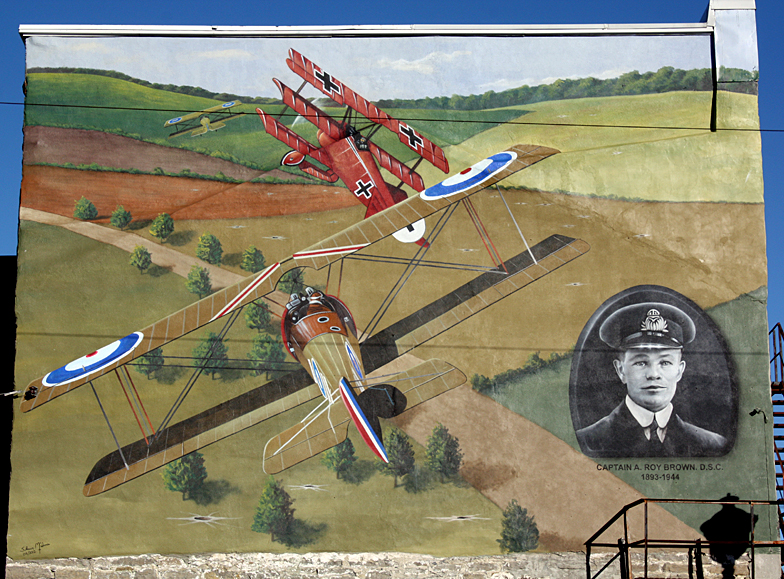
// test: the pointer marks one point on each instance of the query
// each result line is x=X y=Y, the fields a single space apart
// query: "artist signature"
x=35 y=549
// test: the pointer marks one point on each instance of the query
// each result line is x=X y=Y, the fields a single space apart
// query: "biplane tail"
x=378 y=401
x=329 y=427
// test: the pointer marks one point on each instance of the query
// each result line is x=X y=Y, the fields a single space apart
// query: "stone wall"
x=373 y=566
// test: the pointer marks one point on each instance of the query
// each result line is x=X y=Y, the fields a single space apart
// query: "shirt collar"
x=645 y=417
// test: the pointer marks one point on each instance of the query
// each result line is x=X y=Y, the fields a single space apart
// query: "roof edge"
x=27 y=30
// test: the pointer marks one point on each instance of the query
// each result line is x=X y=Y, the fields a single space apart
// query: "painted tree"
x=340 y=457
x=185 y=475
x=400 y=454
x=274 y=514
x=258 y=317
x=518 y=530
x=162 y=227
x=198 y=281
x=121 y=218
x=252 y=260
x=266 y=355
x=211 y=353
x=292 y=282
x=150 y=362
x=85 y=210
x=209 y=249
x=443 y=453
x=141 y=258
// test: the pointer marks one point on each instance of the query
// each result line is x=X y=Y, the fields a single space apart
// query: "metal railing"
x=776 y=339
x=647 y=543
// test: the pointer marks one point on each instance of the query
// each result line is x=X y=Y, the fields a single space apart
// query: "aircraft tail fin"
x=328 y=426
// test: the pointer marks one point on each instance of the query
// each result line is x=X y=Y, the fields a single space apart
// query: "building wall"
x=635 y=242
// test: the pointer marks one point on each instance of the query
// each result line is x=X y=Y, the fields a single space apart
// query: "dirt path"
x=509 y=457
x=162 y=255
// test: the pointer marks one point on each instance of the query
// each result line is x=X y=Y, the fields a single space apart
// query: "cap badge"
x=654 y=322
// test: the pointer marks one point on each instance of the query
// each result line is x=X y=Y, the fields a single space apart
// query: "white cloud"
x=227 y=54
x=428 y=64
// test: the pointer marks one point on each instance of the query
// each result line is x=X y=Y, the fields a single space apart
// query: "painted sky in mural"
x=381 y=67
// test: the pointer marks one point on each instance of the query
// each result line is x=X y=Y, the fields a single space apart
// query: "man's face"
x=651 y=375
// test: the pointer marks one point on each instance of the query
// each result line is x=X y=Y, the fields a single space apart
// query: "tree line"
x=180 y=89
x=666 y=79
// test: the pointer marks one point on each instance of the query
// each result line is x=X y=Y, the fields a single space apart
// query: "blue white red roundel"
x=174 y=120
x=470 y=177
x=229 y=104
x=93 y=362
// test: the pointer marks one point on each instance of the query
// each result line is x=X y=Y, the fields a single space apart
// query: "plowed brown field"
x=55 y=190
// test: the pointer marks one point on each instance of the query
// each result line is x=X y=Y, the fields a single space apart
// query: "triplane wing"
x=345 y=150
x=198 y=123
x=343 y=95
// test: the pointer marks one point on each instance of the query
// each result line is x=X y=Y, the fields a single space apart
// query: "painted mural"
x=385 y=296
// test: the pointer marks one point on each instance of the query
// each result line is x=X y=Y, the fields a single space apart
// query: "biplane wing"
x=328 y=426
x=199 y=122
x=343 y=95
x=382 y=224
x=296 y=388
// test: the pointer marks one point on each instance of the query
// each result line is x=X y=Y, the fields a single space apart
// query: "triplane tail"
x=328 y=426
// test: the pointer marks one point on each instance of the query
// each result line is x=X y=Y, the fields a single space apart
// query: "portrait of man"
x=644 y=347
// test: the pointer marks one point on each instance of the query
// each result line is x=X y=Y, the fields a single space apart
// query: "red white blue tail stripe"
x=360 y=420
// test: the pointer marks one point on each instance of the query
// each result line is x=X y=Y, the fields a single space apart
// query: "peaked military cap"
x=647 y=325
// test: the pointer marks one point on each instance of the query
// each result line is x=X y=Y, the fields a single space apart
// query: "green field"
x=647 y=147
x=55 y=447
x=126 y=108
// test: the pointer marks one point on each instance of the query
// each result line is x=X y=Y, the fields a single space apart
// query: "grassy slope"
x=55 y=447
x=672 y=156
x=680 y=161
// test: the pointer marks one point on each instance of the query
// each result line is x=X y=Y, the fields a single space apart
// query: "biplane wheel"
x=412 y=233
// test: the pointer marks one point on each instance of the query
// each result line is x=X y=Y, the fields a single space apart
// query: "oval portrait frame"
x=706 y=396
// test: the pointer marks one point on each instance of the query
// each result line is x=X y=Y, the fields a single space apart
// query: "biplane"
x=201 y=122
x=347 y=153
x=339 y=364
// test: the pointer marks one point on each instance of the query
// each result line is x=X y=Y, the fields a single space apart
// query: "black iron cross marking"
x=414 y=140
x=363 y=189
x=326 y=80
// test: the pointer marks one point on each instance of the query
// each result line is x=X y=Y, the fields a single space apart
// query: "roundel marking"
x=470 y=177
x=174 y=120
x=93 y=362
x=229 y=104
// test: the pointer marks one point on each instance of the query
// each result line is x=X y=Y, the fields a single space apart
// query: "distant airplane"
x=201 y=122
